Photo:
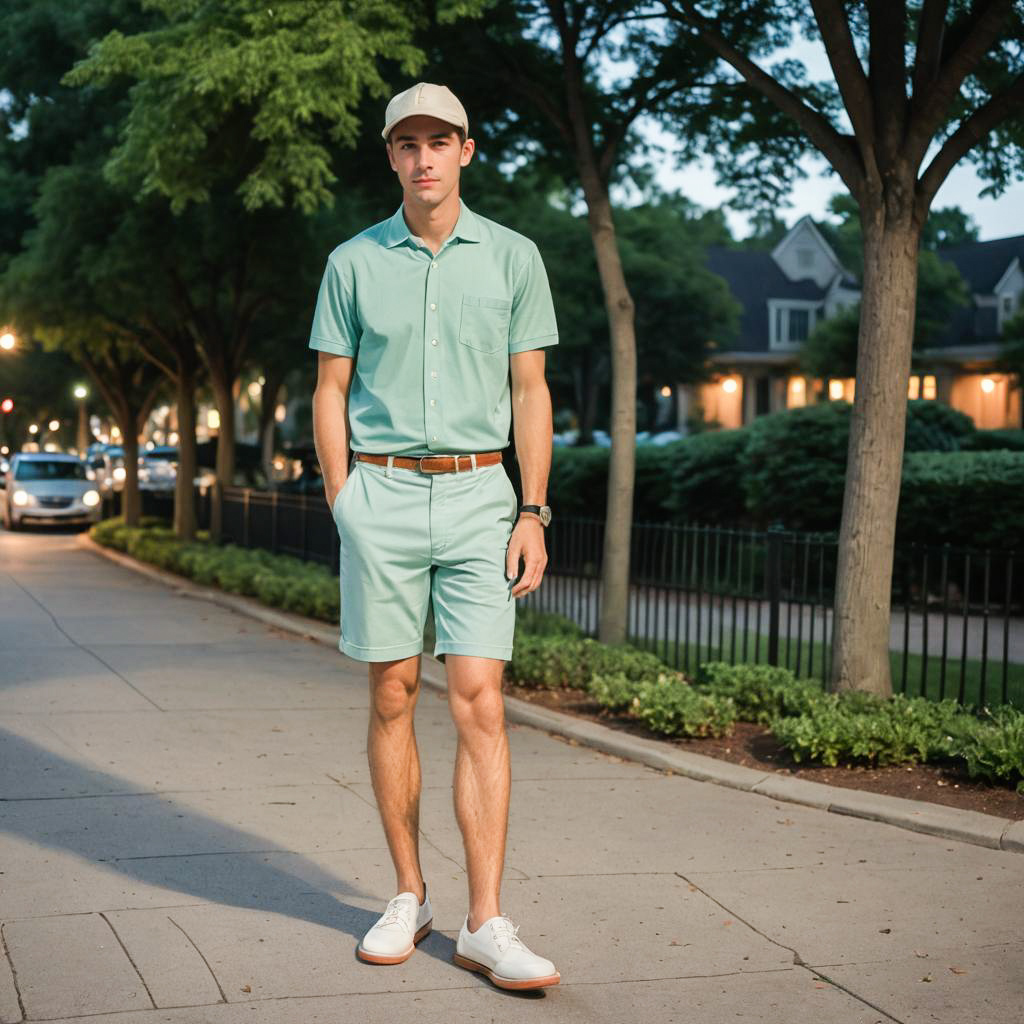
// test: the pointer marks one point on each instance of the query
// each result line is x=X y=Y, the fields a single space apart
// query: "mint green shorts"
x=409 y=538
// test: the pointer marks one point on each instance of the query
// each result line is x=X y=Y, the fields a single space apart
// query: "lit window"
x=914 y=388
x=835 y=390
x=928 y=390
x=796 y=393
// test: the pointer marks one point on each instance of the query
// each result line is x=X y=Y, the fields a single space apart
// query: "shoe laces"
x=397 y=909
x=503 y=928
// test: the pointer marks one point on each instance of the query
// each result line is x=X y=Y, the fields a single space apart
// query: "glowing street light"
x=33 y=428
x=7 y=341
x=54 y=424
x=80 y=392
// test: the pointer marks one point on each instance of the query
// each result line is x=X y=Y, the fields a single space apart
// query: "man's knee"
x=394 y=687
x=478 y=711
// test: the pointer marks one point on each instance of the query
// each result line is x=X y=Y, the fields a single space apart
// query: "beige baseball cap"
x=427 y=99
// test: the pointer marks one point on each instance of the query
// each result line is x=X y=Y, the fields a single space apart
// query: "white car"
x=45 y=488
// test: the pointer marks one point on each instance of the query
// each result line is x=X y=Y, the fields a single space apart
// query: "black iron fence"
x=700 y=593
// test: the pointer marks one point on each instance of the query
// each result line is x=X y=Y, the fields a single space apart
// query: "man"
x=431 y=328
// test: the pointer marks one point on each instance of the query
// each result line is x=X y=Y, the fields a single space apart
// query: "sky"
x=996 y=218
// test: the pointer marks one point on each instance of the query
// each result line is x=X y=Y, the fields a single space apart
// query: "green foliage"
x=555 y=662
x=704 y=481
x=793 y=466
x=254 y=94
x=1006 y=439
x=857 y=727
x=936 y=427
x=531 y=622
x=973 y=499
x=831 y=349
x=276 y=580
x=992 y=746
x=760 y=693
x=669 y=706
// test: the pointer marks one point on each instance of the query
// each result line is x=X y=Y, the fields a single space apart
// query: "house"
x=785 y=292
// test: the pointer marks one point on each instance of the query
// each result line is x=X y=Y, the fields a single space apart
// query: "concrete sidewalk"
x=187 y=834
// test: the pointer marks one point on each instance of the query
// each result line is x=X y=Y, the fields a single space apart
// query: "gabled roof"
x=806 y=223
x=753 y=278
x=983 y=264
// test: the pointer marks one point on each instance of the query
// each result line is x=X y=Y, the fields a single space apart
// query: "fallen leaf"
x=246 y=988
x=884 y=931
x=927 y=977
x=958 y=970
x=920 y=952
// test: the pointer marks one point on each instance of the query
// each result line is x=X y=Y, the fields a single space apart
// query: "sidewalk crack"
x=798 y=960
x=14 y=973
x=216 y=981
x=131 y=960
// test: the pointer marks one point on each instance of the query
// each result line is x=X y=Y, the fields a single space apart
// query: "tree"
x=923 y=85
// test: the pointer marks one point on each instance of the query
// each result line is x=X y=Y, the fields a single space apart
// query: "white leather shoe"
x=496 y=950
x=393 y=938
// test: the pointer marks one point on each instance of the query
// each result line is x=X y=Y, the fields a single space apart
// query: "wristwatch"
x=542 y=512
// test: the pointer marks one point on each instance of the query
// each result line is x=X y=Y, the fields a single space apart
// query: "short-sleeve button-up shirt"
x=431 y=334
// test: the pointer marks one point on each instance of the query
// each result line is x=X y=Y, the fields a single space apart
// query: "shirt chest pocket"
x=485 y=323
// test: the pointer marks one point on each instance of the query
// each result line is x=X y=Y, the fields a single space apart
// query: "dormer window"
x=792 y=323
x=805 y=258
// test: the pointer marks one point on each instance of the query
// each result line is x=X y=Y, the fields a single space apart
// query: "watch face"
x=545 y=514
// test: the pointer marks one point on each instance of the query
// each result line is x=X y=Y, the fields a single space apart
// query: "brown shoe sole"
x=516 y=984
x=377 y=958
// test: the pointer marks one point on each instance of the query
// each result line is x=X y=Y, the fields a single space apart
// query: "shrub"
x=704 y=478
x=992 y=746
x=669 y=706
x=936 y=427
x=793 y=464
x=865 y=728
x=555 y=662
x=760 y=692
x=994 y=440
x=973 y=499
x=535 y=623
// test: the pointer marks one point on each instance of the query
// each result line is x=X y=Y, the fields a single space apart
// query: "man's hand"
x=527 y=542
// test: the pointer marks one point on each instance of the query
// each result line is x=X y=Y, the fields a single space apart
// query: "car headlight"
x=119 y=473
x=91 y=498
x=21 y=498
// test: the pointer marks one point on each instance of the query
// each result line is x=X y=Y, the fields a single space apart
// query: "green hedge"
x=276 y=580
x=788 y=468
x=972 y=499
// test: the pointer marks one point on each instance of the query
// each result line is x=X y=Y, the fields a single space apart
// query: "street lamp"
x=54 y=424
x=7 y=341
x=81 y=392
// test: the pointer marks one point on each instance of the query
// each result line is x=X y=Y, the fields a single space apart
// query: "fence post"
x=773 y=585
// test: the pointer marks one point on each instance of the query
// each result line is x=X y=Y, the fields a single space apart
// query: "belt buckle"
x=428 y=469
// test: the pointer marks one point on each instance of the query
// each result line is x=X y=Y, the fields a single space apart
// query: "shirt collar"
x=467 y=228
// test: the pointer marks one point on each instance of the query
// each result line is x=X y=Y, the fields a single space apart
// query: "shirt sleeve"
x=335 y=323
x=533 y=313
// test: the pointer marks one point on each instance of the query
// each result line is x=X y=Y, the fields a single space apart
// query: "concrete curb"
x=917 y=816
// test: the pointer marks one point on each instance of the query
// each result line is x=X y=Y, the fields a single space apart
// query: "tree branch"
x=970 y=132
x=834 y=27
x=839 y=150
x=988 y=19
x=931 y=29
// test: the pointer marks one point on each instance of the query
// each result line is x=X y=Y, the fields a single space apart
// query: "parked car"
x=158 y=468
x=48 y=488
x=108 y=465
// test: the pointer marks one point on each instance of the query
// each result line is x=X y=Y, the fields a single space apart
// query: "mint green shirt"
x=431 y=335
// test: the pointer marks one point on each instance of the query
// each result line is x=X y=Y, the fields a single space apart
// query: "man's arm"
x=330 y=420
x=531 y=424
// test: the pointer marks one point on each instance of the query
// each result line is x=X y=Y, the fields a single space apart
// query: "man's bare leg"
x=395 y=764
x=482 y=777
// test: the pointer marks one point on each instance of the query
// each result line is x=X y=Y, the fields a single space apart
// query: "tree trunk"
x=222 y=393
x=131 y=499
x=184 y=487
x=860 y=656
x=620 y=308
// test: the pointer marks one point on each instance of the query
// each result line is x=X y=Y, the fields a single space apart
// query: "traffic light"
x=7 y=405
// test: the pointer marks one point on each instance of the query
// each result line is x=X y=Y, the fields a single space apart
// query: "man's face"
x=427 y=156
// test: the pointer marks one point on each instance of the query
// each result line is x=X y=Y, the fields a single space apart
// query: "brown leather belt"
x=435 y=463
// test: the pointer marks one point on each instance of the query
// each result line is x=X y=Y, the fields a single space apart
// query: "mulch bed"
x=754 y=746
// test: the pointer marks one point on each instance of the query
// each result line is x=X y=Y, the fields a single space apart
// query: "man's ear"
x=391 y=156
x=468 y=149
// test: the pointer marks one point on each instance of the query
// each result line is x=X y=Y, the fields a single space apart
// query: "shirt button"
x=434 y=438
x=433 y=305
x=434 y=264
x=433 y=401
x=433 y=374
x=433 y=341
